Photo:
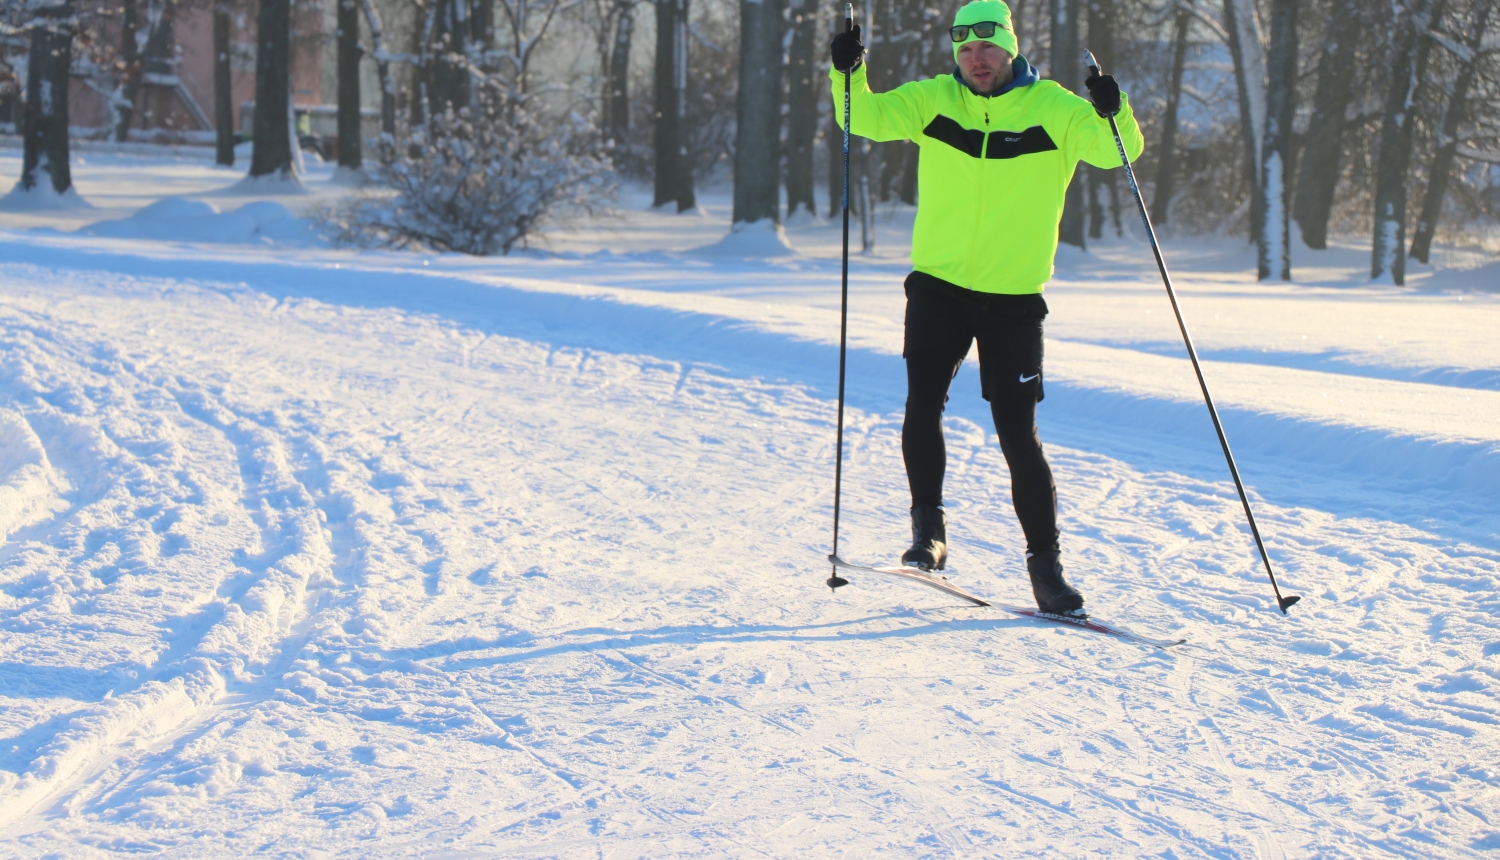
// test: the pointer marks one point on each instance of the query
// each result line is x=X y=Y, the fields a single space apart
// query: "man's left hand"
x=1105 y=94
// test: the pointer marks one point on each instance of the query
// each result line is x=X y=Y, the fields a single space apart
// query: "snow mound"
x=349 y=177
x=803 y=218
x=30 y=489
x=40 y=198
x=1478 y=279
x=180 y=220
x=271 y=183
x=756 y=239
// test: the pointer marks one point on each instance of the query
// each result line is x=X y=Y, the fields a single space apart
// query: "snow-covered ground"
x=311 y=552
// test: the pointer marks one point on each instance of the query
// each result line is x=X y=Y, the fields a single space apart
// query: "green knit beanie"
x=980 y=11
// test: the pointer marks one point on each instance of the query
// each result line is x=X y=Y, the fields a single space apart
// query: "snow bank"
x=176 y=219
x=271 y=183
x=803 y=219
x=40 y=198
x=757 y=239
x=1479 y=279
x=30 y=489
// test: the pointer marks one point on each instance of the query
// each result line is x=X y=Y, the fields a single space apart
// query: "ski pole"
x=834 y=580
x=1166 y=279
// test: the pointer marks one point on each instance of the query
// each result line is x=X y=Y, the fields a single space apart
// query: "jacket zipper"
x=979 y=214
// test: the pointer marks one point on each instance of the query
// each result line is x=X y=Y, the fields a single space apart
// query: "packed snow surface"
x=311 y=552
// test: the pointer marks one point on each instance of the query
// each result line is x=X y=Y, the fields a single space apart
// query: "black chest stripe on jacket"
x=1003 y=144
x=1009 y=144
x=965 y=140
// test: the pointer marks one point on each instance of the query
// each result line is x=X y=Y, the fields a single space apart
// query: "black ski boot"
x=1053 y=593
x=929 y=539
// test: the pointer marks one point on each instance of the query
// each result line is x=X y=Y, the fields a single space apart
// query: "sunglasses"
x=983 y=30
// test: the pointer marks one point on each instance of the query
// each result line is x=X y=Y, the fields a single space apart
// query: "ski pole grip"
x=1090 y=62
x=848 y=17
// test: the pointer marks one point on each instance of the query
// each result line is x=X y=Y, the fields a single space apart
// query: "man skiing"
x=998 y=149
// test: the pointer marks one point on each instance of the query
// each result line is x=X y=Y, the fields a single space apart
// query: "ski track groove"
x=78 y=774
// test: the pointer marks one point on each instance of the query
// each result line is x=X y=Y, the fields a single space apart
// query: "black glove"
x=1105 y=94
x=847 y=51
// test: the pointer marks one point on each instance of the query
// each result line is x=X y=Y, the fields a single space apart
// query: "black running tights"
x=942 y=322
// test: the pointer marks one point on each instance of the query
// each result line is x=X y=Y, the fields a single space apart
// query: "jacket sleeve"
x=1089 y=137
x=896 y=115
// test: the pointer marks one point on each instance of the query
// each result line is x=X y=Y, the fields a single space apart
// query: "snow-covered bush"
x=481 y=179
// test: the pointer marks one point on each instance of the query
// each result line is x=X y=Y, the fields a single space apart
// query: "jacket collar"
x=1022 y=75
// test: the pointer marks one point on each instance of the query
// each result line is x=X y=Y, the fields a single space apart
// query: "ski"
x=1087 y=623
x=941 y=583
x=912 y=575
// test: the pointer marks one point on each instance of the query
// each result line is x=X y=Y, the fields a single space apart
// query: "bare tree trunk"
x=867 y=158
x=1101 y=40
x=45 y=148
x=1249 y=79
x=912 y=44
x=482 y=30
x=1166 y=164
x=1318 y=174
x=349 y=53
x=802 y=115
x=617 y=107
x=151 y=51
x=1454 y=114
x=911 y=155
x=1408 y=57
x=674 y=173
x=419 y=104
x=450 y=72
x=1273 y=250
x=859 y=195
x=223 y=88
x=757 y=140
x=272 y=152
x=834 y=137
x=382 y=69
x=603 y=44
x=1067 y=72
x=130 y=57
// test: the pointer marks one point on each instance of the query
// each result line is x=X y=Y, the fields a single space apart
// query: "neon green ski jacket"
x=993 y=170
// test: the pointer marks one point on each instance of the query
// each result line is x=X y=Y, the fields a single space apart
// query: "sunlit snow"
x=318 y=552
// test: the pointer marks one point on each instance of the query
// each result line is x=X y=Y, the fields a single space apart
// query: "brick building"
x=175 y=99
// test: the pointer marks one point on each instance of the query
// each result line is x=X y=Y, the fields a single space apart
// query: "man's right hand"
x=847 y=51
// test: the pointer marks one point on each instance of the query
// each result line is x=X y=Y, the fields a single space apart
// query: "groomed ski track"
x=343 y=554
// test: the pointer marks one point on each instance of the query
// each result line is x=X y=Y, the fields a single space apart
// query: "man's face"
x=981 y=63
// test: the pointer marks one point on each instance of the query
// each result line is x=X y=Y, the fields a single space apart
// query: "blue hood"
x=1022 y=75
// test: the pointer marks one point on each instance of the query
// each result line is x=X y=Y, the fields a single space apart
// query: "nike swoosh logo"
x=1029 y=378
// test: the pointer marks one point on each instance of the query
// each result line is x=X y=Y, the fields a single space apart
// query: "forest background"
x=1279 y=120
